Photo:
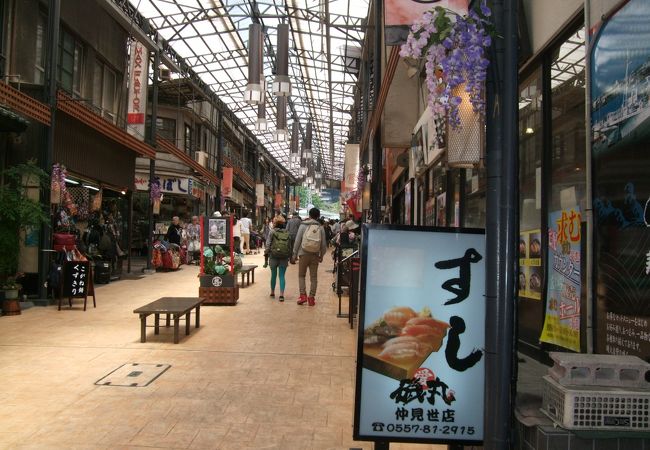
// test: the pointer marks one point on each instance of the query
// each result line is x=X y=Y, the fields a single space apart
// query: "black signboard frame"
x=382 y=442
x=229 y=239
x=67 y=279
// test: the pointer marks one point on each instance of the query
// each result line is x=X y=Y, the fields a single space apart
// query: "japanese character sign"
x=420 y=369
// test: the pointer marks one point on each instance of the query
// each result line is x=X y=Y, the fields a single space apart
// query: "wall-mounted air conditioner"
x=201 y=158
x=165 y=74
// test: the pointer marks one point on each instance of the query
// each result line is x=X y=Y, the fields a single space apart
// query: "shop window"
x=39 y=62
x=165 y=129
x=104 y=90
x=70 y=63
x=475 y=188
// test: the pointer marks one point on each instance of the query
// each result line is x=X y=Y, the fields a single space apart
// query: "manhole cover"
x=133 y=375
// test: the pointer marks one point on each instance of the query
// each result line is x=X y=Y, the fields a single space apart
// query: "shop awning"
x=12 y=122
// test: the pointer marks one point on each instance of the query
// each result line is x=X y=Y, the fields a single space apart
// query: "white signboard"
x=169 y=185
x=137 y=100
x=259 y=194
x=420 y=364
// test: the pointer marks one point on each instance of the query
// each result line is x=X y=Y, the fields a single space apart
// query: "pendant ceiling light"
x=303 y=167
x=282 y=83
x=318 y=174
x=294 y=160
x=281 y=120
x=308 y=152
x=254 y=90
x=309 y=179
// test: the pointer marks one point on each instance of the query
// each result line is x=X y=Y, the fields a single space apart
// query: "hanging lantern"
x=307 y=153
x=261 y=124
x=318 y=174
x=309 y=179
x=294 y=159
x=282 y=83
x=254 y=90
x=303 y=167
x=281 y=120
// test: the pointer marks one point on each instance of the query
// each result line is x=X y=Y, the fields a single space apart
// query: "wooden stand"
x=219 y=295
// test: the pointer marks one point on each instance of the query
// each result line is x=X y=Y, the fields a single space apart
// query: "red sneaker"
x=312 y=301
x=303 y=299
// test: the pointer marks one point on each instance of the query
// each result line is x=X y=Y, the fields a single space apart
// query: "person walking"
x=173 y=234
x=309 y=249
x=236 y=232
x=246 y=225
x=278 y=251
x=292 y=227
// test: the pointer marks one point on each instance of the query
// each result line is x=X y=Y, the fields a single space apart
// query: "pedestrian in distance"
x=278 y=252
x=236 y=232
x=246 y=225
x=309 y=249
x=292 y=227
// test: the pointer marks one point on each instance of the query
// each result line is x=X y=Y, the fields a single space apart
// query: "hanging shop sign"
x=620 y=129
x=137 y=99
x=420 y=370
x=197 y=188
x=226 y=182
x=259 y=194
x=351 y=168
x=168 y=184
x=530 y=264
x=278 y=200
x=562 y=318
x=399 y=15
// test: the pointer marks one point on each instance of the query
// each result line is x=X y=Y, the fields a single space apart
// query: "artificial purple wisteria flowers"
x=454 y=51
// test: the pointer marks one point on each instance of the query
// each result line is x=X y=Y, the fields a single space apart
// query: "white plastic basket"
x=596 y=408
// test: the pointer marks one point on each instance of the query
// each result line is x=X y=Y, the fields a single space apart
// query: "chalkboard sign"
x=76 y=279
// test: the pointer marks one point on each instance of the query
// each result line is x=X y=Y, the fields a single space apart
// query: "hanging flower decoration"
x=58 y=187
x=362 y=178
x=155 y=191
x=454 y=49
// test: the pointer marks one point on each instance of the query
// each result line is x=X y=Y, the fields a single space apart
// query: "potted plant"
x=18 y=211
x=11 y=288
x=217 y=284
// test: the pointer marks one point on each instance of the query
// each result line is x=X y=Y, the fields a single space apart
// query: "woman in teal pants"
x=277 y=249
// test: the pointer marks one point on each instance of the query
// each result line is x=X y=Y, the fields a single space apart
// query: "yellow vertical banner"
x=562 y=318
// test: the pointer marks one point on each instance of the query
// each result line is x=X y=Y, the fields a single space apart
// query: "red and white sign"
x=137 y=101
x=226 y=182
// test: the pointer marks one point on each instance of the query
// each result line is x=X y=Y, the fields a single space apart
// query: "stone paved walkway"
x=259 y=375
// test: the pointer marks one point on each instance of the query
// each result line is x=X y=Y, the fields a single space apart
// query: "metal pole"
x=54 y=17
x=329 y=82
x=152 y=161
x=589 y=215
x=219 y=157
x=501 y=228
x=375 y=187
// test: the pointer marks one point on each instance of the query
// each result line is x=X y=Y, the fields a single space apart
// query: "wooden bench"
x=170 y=306
x=248 y=271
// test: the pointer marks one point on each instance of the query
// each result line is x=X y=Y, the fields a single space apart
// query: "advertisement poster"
x=620 y=111
x=441 y=210
x=226 y=182
x=562 y=318
x=399 y=15
x=408 y=202
x=420 y=365
x=259 y=194
x=217 y=232
x=430 y=212
x=530 y=264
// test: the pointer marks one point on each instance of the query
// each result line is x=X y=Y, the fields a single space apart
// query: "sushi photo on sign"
x=420 y=374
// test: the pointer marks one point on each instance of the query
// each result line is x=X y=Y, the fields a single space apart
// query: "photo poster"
x=562 y=316
x=620 y=130
x=408 y=202
x=399 y=15
x=441 y=210
x=420 y=363
x=530 y=264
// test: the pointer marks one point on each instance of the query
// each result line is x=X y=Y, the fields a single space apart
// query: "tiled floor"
x=259 y=375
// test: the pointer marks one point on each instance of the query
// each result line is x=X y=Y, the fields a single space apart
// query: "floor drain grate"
x=133 y=375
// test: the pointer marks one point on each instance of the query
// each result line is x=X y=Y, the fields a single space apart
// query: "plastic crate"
x=596 y=408
x=577 y=369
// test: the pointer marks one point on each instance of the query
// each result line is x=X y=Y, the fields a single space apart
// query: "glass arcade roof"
x=212 y=35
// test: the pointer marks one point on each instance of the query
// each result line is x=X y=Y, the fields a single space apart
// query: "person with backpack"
x=309 y=249
x=278 y=251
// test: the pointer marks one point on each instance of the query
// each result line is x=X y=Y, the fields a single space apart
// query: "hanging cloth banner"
x=226 y=182
x=259 y=193
x=562 y=318
x=278 y=200
x=137 y=100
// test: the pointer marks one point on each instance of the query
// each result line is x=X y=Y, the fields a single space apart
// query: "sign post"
x=420 y=366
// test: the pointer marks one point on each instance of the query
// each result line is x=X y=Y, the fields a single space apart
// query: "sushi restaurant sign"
x=420 y=365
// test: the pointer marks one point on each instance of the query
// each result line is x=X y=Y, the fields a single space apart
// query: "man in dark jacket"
x=292 y=227
x=173 y=235
x=310 y=247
